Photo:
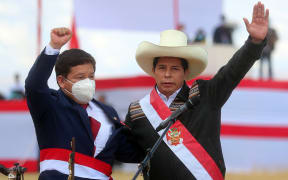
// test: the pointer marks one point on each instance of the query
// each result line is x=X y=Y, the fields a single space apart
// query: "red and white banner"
x=254 y=132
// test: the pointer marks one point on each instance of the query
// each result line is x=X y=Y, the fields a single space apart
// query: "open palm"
x=258 y=28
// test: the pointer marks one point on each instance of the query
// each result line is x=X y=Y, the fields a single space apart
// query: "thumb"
x=246 y=22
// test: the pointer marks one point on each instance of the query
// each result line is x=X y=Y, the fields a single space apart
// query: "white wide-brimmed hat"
x=173 y=43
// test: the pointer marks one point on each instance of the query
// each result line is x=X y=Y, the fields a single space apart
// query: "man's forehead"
x=82 y=69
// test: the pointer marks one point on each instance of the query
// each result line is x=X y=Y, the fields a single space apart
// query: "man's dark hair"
x=184 y=63
x=71 y=58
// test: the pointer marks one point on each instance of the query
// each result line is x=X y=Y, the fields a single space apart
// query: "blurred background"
x=254 y=120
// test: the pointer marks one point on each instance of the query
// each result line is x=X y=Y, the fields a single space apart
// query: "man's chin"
x=167 y=87
x=167 y=91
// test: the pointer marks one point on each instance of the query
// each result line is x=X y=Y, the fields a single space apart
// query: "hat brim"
x=194 y=55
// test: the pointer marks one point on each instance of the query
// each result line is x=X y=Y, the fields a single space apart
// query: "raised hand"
x=258 y=28
x=59 y=37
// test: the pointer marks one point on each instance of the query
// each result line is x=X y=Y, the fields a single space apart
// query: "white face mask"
x=83 y=90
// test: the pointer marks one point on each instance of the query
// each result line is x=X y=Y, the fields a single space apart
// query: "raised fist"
x=59 y=37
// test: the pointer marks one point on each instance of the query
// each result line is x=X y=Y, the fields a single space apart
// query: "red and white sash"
x=85 y=166
x=180 y=140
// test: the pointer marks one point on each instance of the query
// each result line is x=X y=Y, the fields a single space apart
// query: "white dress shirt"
x=51 y=51
x=171 y=98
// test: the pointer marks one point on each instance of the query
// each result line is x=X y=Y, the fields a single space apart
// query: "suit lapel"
x=180 y=99
x=85 y=120
x=184 y=92
x=110 y=114
x=81 y=111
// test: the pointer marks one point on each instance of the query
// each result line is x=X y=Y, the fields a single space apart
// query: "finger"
x=56 y=31
x=261 y=13
x=254 y=12
x=267 y=15
x=67 y=31
x=246 y=22
x=62 y=31
x=70 y=33
x=259 y=7
x=262 y=10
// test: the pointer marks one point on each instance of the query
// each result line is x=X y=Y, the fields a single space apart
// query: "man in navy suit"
x=72 y=112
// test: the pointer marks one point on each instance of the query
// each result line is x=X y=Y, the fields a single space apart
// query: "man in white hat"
x=191 y=148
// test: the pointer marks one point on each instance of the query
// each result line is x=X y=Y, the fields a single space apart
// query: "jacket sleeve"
x=128 y=150
x=121 y=144
x=220 y=87
x=36 y=87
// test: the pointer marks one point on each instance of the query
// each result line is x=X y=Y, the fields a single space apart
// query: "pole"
x=176 y=13
x=39 y=25
x=72 y=160
x=150 y=153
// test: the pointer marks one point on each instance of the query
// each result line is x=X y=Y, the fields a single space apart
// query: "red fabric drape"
x=74 y=39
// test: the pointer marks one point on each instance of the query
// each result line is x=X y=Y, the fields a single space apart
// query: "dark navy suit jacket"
x=57 y=119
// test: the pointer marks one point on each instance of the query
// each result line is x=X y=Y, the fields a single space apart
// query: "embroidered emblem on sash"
x=174 y=136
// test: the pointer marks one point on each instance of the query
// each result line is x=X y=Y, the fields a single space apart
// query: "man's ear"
x=60 y=81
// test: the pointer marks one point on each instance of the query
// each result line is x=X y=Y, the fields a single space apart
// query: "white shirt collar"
x=171 y=98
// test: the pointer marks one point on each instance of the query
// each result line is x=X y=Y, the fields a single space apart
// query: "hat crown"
x=173 y=38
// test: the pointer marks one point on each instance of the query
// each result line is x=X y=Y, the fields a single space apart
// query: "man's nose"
x=168 y=73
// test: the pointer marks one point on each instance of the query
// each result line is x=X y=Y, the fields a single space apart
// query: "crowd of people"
x=222 y=33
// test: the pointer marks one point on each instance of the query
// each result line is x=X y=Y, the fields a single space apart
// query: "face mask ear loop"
x=68 y=80
x=66 y=89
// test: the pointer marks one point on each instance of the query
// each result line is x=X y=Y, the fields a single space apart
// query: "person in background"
x=181 y=27
x=71 y=111
x=2 y=97
x=191 y=149
x=267 y=53
x=200 y=36
x=17 y=90
x=102 y=99
x=223 y=33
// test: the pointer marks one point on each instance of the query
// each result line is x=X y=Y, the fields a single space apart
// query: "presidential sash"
x=180 y=140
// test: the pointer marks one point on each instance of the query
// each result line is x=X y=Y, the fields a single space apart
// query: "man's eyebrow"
x=79 y=74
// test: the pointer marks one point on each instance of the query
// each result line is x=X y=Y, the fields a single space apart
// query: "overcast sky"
x=18 y=33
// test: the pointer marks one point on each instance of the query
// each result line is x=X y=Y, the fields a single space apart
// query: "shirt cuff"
x=51 y=51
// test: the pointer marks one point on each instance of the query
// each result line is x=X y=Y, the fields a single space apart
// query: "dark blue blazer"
x=57 y=119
